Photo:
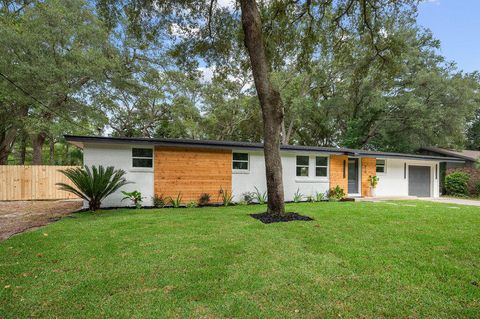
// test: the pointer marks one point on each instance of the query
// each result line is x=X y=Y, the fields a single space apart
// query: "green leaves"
x=94 y=184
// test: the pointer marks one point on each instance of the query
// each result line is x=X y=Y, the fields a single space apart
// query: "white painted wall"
x=246 y=181
x=394 y=183
x=120 y=156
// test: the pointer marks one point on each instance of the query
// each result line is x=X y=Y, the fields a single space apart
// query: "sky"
x=456 y=23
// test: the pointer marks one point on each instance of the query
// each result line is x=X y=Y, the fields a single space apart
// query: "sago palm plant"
x=94 y=184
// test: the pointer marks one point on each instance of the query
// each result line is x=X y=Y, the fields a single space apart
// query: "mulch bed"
x=267 y=218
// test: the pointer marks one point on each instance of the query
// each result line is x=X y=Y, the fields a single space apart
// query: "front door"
x=353 y=176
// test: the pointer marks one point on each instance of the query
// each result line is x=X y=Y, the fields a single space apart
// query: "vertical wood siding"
x=368 y=169
x=36 y=182
x=192 y=172
x=337 y=176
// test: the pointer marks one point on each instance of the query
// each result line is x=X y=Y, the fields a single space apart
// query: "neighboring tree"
x=55 y=51
x=95 y=184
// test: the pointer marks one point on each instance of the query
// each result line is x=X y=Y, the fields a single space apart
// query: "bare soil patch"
x=19 y=216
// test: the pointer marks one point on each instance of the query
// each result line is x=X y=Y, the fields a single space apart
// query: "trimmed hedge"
x=456 y=184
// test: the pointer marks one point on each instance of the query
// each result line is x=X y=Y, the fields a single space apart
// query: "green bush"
x=456 y=184
x=336 y=194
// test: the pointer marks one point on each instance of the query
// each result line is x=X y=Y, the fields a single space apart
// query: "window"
x=302 y=165
x=240 y=161
x=321 y=166
x=381 y=165
x=142 y=157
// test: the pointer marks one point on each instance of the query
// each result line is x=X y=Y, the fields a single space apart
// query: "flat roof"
x=469 y=155
x=80 y=141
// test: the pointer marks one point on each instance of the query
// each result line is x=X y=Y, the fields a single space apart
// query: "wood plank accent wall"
x=32 y=182
x=192 y=172
x=369 y=168
x=337 y=171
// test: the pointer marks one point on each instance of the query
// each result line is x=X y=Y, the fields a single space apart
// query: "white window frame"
x=327 y=166
x=297 y=166
x=240 y=170
x=142 y=168
x=384 y=166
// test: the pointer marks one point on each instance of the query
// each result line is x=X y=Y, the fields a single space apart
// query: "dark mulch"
x=267 y=218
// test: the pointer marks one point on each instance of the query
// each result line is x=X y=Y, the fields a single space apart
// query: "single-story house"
x=160 y=166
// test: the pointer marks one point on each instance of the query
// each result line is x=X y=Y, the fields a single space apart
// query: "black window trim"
x=142 y=157
x=241 y=161
x=384 y=165
x=322 y=166
x=297 y=166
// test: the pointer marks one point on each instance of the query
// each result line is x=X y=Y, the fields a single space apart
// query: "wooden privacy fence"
x=33 y=182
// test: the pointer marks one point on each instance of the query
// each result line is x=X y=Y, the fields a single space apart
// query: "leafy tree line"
x=116 y=68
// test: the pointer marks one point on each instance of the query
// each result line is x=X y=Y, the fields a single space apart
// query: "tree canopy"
x=348 y=75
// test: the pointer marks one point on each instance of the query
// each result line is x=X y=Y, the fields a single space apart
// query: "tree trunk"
x=7 y=139
x=52 y=151
x=271 y=103
x=37 y=142
x=23 y=150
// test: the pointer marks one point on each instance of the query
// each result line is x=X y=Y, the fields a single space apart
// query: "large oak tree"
x=275 y=34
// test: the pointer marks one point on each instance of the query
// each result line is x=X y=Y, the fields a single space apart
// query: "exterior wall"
x=196 y=171
x=394 y=182
x=339 y=171
x=246 y=181
x=368 y=168
x=120 y=156
x=192 y=172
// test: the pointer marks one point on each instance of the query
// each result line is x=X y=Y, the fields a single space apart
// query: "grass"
x=356 y=260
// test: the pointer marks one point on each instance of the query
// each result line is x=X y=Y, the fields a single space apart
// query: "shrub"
x=204 y=199
x=337 y=193
x=297 y=196
x=192 y=204
x=373 y=180
x=319 y=196
x=94 y=184
x=456 y=184
x=260 y=198
x=176 y=202
x=159 y=201
x=248 y=197
x=135 y=197
x=474 y=177
x=227 y=198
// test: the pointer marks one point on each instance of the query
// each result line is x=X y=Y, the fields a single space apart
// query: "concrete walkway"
x=445 y=200
x=450 y=200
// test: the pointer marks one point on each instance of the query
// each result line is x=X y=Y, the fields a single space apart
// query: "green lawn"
x=356 y=260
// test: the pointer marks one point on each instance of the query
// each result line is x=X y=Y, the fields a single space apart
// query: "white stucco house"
x=168 y=167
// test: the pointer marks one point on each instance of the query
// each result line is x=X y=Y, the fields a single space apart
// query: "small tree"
x=94 y=184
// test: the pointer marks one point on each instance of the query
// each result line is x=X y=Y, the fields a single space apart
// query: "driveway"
x=19 y=216
x=451 y=200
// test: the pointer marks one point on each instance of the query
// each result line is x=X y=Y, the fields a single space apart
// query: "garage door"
x=419 y=181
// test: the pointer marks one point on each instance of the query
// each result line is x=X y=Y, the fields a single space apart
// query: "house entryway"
x=353 y=177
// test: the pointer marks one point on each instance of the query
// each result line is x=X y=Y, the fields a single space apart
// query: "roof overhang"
x=450 y=154
x=81 y=141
